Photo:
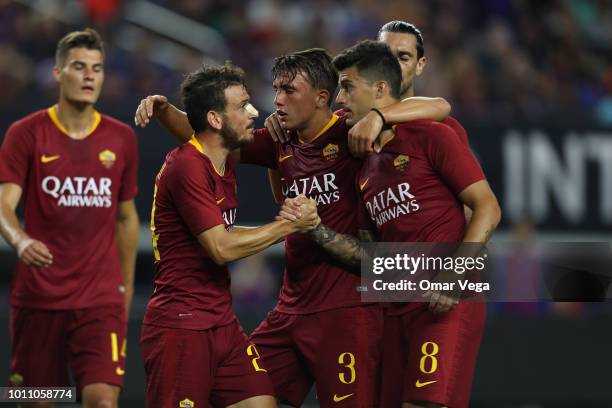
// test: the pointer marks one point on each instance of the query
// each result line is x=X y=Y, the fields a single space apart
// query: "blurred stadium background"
x=530 y=80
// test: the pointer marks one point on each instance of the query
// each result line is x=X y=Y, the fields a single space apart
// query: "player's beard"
x=231 y=138
x=405 y=87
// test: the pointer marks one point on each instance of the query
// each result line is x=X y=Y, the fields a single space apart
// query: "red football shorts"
x=338 y=350
x=47 y=343
x=428 y=357
x=195 y=368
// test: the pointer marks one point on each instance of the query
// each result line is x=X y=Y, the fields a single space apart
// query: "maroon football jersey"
x=459 y=130
x=325 y=171
x=190 y=197
x=410 y=189
x=449 y=120
x=70 y=193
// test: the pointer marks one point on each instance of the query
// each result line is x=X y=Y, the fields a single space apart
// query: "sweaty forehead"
x=236 y=93
x=400 y=42
x=286 y=79
x=351 y=74
x=84 y=55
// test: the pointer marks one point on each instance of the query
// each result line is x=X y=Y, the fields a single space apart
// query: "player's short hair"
x=203 y=90
x=316 y=66
x=88 y=38
x=374 y=61
x=403 y=27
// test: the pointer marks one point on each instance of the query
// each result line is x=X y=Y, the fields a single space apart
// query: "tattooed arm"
x=345 y=248
x=485 y=212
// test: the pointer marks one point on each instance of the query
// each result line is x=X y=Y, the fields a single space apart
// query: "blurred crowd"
x=506 y=61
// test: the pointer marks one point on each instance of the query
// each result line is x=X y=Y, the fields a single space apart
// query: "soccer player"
x=319 y=331
x=406 y=43
x=194 y=349
x=77 y=173
x=413 y=191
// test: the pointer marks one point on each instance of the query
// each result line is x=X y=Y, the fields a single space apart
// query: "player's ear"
x=214 y=120
x=421 y=65
x=56 y=73
x=382 y=88
x=322 y=98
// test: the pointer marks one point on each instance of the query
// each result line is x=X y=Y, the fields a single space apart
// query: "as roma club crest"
x=15 y=379
x=401 y=161
x=186 y=403
x=330 y=152
x=107 y=158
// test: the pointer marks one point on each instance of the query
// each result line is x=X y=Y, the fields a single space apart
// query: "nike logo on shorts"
x=420 y=384
x=338 y=399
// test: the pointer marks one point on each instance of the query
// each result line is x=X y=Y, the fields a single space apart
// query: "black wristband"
x=381 y=116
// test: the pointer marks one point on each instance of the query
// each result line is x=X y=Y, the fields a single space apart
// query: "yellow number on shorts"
x=115 y=347
x=252 y=351
x=350 y=365
x=429 y=356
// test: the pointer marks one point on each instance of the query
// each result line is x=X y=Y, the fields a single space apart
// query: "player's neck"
x=214 y=149
x=78 y=120
x=408 y=94
x=384 y=102
x=315 y=126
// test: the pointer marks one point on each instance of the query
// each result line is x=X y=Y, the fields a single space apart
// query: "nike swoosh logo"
x=119 y=371
x=219 y=201
x=420 y=384
x=47 y=159
x=338 y=399
x=362 y=186
x=282 y=159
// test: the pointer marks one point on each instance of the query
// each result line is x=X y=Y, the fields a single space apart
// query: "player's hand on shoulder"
x=34 y=253
x=364 y=135
x=148 y=108
x=274 y=127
